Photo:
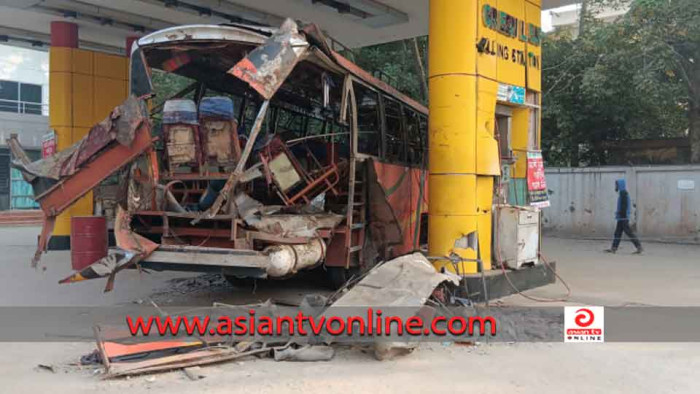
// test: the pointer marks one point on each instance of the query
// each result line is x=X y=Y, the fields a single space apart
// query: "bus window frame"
x=419 y=133
x=403 y=160
x=380 y=117
x=425 y=142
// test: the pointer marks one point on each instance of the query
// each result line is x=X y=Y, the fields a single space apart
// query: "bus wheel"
x=338 y=276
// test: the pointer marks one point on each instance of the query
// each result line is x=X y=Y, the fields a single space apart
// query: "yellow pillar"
x=464 y=82
x=453 y=200
x=84 y=86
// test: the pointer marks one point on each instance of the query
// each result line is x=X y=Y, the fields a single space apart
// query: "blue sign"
x=511 y=94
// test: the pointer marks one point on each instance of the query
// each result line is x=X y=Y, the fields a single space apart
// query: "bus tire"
x=338 y=276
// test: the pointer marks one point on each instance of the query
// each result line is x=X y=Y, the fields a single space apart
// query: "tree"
x=669 y=32
x=396 y=63
x=618 y=81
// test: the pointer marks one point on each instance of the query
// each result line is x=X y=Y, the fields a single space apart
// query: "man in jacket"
x=622 y=216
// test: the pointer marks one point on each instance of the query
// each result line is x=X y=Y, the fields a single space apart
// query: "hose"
x=540 y=256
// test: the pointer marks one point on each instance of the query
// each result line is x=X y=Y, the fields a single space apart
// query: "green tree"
x=396 y=63
x=617 y=81
x=669 y=33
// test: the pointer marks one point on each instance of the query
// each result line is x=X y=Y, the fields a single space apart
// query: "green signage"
x=511 y=26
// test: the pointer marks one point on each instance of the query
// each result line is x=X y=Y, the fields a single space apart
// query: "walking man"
x=622 y=215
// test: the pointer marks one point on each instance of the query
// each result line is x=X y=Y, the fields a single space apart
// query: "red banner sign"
x=536 y=182
x=48 y=144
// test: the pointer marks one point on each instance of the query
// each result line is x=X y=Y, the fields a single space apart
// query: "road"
x=665 y=275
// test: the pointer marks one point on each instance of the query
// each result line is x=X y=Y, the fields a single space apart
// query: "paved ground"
x=665 y=275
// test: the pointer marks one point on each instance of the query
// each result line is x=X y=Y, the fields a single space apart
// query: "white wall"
x=27 y=66
x=29 y=128
x=584 y=201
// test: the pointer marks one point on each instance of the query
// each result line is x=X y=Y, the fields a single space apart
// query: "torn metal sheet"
x=18 y=153
x=248 y=208
x=265 y=218
x=238 y=172
x=46 y=231
x=405 y=281
x=65 y=193
x=102 y=268
x=295 y=225
x=131 y=248
x=121 y=125
x=251 y=173
x=266 y=68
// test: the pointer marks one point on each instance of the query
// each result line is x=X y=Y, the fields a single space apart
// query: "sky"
x=547 y=16
x=24 y=65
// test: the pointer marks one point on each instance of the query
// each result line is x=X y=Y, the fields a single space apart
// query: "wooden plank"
x=203 y=357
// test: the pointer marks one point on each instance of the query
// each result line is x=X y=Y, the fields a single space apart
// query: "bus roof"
x=255 y=35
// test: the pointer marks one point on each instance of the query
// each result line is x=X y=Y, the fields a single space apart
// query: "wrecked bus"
x=278 y=155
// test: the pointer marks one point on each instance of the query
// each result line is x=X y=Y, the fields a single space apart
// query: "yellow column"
x=475 y=46
x=453 y=201
x=84 y=87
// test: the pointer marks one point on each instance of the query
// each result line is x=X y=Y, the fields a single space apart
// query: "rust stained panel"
x=221 y=147
x=131 y=249
x=64 y=194
x=267 y=66
x=129 y=240
x=385 y=227
x=120 y=125
x=181 y=144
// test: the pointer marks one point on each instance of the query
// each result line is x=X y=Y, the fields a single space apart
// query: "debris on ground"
x=304 y=353
x=45 y=367
x=406 y=282
x=193 y=373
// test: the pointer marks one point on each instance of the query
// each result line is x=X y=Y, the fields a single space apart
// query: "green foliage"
x=397 y=62
x=616 y=81
x=165 y=85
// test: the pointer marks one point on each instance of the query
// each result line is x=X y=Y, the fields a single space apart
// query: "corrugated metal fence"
x=665 y=201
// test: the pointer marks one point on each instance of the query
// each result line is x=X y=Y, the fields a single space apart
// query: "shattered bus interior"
x=278 y=156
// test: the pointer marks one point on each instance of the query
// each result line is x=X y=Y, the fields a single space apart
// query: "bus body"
x=330 y=162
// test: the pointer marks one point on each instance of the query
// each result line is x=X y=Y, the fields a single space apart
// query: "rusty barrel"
x=88 y=240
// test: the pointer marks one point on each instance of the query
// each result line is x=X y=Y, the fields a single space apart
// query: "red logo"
x=584 y=324
x=584 y=317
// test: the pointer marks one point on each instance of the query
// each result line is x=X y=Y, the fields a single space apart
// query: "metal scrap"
x=131 y=248
x=406 y=281
x=265 y=218
x=120 y=126
x=236 y=175
x=61 y=179
x=267 y=66
x=291 y=225
x=206 y=356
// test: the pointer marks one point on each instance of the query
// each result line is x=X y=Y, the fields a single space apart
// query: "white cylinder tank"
x=289 y=259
